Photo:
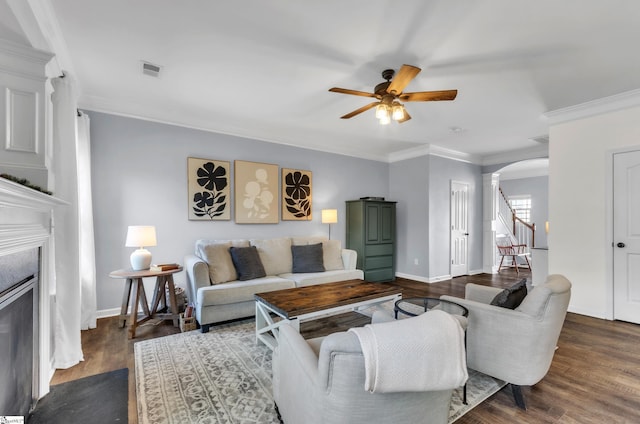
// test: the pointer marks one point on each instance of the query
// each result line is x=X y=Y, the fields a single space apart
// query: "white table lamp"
x=329 y=216
x=141 y=236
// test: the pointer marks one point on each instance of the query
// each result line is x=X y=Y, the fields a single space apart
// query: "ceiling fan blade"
x=403 y=78
x=353 y=92
x=406 y=117
x=358 y=111
x=429 y=96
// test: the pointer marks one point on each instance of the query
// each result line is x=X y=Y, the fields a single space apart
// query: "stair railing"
x=522 y=232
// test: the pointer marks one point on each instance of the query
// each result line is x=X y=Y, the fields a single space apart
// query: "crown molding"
x=42 y=28
x=131 y=110
x=613 y=103
x=430 y=149
x=541 y=151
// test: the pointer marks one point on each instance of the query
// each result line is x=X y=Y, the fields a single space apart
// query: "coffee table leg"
x=266 y=325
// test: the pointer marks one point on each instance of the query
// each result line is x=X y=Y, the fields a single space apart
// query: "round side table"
x=133 y=286
x=414 y=306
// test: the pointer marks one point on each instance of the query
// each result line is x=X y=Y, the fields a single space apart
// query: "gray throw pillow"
x=511 y=297
x=247 y=263
x=307 y=258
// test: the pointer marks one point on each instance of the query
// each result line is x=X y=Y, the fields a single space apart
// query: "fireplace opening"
x=19 y=317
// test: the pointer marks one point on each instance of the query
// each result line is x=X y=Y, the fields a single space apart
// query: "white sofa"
x=213 y=287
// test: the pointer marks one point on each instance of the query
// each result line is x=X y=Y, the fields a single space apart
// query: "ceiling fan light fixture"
x=398 y=111
x=382 y=111
x=385 y=120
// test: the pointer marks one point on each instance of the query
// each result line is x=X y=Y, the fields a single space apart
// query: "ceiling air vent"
x=542 y=139
x=150 y=69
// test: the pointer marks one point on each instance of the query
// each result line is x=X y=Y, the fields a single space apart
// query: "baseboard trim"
x=423 y=279
x=106 y=313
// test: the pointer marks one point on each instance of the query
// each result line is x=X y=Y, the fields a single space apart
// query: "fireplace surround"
x=27 y=225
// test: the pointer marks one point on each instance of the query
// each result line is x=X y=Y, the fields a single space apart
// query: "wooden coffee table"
x=297 y=305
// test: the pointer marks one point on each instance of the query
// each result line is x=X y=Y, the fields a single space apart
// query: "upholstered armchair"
x=517 y=345
x=323 y=381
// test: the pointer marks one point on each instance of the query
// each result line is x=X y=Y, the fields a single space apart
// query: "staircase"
x=511 y=225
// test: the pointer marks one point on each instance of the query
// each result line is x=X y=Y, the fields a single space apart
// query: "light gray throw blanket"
x=423 y=353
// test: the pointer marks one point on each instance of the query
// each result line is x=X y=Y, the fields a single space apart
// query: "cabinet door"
x=387 y=223
x=372 y=222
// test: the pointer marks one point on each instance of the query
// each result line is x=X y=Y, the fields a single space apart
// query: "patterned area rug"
x=223 y=377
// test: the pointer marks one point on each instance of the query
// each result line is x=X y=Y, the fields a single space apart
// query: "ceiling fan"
x=389 y=95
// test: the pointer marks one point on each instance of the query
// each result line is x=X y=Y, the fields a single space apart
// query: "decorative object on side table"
x=141 y=236
x=296 y=195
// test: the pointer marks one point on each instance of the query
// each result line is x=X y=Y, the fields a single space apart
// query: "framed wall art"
x=208 y=188
x=296 y=195
x=256 y=192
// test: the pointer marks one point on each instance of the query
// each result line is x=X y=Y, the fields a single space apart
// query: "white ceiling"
x=261 y=69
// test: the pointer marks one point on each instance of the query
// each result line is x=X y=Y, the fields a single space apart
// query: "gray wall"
x=538 y=189
x=139 y=177
x=442 y=171
x=422 y=188
x=409 y=186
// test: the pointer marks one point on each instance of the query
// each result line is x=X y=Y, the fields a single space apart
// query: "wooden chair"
x=506 y=247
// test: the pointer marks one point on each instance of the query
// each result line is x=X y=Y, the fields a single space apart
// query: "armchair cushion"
x=247 y=263
x=512 y=296
x=307 y=258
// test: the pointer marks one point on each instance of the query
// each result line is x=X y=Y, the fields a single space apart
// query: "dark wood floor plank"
x=594 y=377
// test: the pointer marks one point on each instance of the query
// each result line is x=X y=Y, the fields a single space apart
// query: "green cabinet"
x=371 y=231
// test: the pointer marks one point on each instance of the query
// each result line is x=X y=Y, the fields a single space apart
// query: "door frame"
x=609 y=205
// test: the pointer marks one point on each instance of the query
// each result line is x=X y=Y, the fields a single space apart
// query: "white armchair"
x=322 y=381
x=518 y=345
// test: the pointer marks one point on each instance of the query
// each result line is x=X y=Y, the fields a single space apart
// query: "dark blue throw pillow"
x=307 y=258
x=511 y=297
x=247 y=263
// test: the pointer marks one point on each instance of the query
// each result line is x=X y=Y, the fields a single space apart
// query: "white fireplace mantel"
x=26 y=221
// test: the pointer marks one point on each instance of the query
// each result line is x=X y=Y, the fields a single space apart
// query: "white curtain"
x=85 y=209
x=72 y=282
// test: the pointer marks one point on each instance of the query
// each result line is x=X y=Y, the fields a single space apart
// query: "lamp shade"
x=141 y=236
x=329 y=216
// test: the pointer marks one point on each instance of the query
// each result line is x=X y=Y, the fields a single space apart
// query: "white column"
x=490 y=184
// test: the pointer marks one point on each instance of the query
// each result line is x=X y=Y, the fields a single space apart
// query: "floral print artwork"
x=296 y=195
x=256 y=189
x=208 y=189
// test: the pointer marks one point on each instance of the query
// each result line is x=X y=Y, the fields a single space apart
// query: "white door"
x=459 y=228
x=626 y=236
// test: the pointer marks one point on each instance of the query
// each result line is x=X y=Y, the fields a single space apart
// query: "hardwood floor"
x=594 y=377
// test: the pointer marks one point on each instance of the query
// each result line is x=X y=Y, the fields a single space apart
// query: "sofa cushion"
x=331 y=251
x=313 y=278
x=202 y=243
x=218 y=258
x=275 y=254
x=332 y=255
x=307 y=258
x=246 y=260
x=301 y=241
x=240 y=291
x=512 y=296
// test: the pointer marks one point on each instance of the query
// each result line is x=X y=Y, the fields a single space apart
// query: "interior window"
x=522 y=206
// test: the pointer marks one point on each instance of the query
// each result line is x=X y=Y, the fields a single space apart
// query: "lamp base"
x=140 y=259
